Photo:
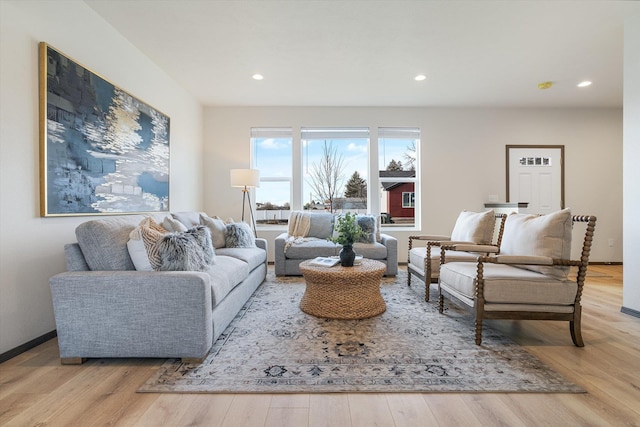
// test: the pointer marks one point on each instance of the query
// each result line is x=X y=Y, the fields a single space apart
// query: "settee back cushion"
x=474 y=227
x=104 y=242
x=539 y=235
x=321 y=225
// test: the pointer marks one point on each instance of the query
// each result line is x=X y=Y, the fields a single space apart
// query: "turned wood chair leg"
x=408 y=276
x=575 y=327
x=427 y=288
x=440 y=303
x=478 y=331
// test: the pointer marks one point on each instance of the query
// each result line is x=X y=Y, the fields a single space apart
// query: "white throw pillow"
x=173 y=225
x=137 y=252
x=474 y=227
x=217 y=228
x=539 y=235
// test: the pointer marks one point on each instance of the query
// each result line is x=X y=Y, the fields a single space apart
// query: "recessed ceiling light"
x=257 y=77
x=584 y=83
x=420 y=77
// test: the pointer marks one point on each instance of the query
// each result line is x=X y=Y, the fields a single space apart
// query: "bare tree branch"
x=326 y=176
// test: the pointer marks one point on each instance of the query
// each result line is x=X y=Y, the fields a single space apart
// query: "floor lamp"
x=246 y=179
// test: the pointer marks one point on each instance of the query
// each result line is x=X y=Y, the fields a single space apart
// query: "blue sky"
x=272 y=156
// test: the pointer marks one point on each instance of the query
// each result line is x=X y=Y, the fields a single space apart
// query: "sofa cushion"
x=225 y=275
x=104 y=242
x=252 y=256
x=218 y=229
x=188 y=218
x=474 y=227
x=505 y=284
x=239 y=235
x=539 y=235
x=171 y=224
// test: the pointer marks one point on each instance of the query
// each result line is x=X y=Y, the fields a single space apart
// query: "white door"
x=535 y=175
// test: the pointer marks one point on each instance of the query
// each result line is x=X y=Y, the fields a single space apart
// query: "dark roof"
x=395 y=174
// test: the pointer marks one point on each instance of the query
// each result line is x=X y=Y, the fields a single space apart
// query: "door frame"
x=561 y=147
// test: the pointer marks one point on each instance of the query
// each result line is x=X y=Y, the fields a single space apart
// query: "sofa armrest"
x=133 y=313
x=261 y=243
x=391 y=244
x=280 y=259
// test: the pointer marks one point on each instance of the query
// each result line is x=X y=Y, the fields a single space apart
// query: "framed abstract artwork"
x=102 y=150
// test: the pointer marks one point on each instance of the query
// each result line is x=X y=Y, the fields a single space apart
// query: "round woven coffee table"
x=343 y=292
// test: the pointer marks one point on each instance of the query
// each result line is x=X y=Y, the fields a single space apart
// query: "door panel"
x=535 y=174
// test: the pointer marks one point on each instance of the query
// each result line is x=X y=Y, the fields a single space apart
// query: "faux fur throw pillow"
x=368 y=224
x=239 y=235
x=191 y=250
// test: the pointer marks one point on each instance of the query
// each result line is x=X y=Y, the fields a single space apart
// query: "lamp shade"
x=245 y=178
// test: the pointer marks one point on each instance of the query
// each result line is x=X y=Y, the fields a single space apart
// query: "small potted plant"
x=348 y=232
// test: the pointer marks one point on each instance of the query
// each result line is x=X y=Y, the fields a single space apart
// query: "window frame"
x=374 y=180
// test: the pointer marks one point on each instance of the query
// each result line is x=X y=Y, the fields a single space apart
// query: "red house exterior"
x=400 y=195
x=395 y=200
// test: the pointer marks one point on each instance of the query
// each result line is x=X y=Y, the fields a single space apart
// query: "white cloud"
x=272 y=144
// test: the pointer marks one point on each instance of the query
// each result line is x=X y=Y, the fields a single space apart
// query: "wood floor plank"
x=287 y=417
x=328 y=410
x=370 y=409
x=410 y=410
x=248 y=410
x=36 y=390
x=450 y=410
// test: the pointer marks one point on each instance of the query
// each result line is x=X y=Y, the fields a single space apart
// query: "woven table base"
x=343 y=292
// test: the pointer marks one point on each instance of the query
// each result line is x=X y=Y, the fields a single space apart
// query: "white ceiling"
x=366 y=53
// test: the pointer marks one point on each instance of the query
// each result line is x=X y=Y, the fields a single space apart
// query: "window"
x=408 y=200
x=335 y=165
x=273 y=156
x=330 y=169
x=398 y=154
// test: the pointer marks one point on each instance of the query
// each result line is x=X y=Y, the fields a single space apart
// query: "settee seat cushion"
x=371 y=250
x=417 y=256
x=506 y=284
x=252 y=256
x=312 y=248
x=225 y=275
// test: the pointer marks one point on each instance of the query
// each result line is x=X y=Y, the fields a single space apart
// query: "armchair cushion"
x=535 y=235
x=321 y=225
x=505 y=284
x=417 y=258
x=474 y=227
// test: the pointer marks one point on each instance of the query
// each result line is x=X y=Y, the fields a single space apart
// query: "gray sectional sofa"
x=104 y=307
x=292 y=248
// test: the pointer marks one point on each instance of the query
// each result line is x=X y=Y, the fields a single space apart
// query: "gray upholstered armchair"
x=307 y=238
x=530 y=278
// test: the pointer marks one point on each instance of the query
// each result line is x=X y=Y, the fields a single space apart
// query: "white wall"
x=31 y=248
x=631 y=290
x=463 y=158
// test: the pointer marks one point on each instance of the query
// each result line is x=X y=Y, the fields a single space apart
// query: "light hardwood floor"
x=36 y=390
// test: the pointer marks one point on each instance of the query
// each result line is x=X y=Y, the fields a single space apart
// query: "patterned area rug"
x=273 y=347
